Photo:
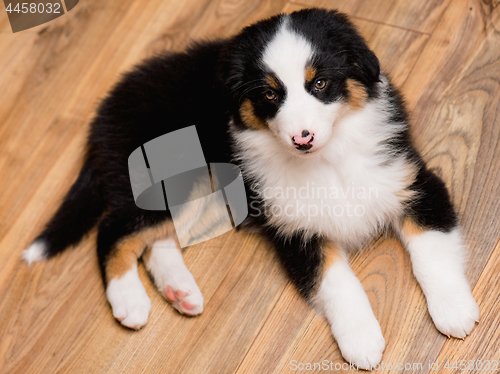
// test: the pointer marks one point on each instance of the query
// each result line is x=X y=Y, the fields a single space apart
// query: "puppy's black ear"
x=229 y=75
x=365 y=66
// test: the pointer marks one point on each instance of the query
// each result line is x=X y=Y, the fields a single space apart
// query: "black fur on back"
x=163 y=94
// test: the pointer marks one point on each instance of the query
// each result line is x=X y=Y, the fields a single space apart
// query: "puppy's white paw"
x=361 y=345
x=438 y=264
x=342 y=299
x=129 y=300
x=173 y=279
x=454 y=312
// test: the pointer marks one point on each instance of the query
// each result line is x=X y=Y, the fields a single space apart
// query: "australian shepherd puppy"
x=299 y=103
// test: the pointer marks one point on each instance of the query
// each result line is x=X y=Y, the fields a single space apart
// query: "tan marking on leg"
x=332 y=254
x=310 y=73
x=272 y=82
x=248 y=116
x=411 y=228
x=146 y=256
x=410 y=175
x=357 y=94
x=126 y=252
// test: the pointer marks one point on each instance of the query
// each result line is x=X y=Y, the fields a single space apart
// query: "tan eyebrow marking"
x=310 y=73
x=357 y=94
x=248 y=116
x=272 y=82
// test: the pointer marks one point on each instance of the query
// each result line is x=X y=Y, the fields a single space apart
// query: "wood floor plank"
x=455 y=100
x=44 y=307
x=484 y=342
x=32 y=213
x=421 y=16
x=277 y=341
x=54 y=316
x=40 y=110
x=231 y=273
x=210 y=20
x=44 y=310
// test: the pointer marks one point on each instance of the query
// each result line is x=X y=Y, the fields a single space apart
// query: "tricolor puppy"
x=321 y=136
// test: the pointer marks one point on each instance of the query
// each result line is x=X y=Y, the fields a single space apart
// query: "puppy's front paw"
x=343 y=300
x=129 y=300
x=361 y=345
x=454 y=312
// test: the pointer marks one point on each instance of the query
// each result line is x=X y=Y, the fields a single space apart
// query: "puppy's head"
x=296 y=75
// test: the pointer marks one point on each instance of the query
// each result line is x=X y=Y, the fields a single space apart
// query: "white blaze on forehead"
x=287 y=55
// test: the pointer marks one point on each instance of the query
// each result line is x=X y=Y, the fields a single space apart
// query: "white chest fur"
x=347 y=191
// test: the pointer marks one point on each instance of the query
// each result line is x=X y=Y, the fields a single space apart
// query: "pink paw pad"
x=187 y=305
x=170 y=294
x=178 y=302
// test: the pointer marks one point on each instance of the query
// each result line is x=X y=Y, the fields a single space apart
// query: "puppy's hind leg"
x=119 y=248
x=172 y=278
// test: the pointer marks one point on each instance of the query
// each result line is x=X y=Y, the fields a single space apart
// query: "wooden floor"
x=54 y=317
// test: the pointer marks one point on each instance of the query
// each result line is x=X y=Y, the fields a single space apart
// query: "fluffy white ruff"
x=347 y=191
x=35 y=252
x=129 y=300
x=343 y=301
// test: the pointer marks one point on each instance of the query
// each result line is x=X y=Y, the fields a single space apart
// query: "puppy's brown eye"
x=320 y=84
x=270 y=95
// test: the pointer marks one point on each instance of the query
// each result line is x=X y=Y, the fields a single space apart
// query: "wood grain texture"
x=419 y=16
x=456 y=115
x=445 y=56
x=485 y=338
x=236 y=305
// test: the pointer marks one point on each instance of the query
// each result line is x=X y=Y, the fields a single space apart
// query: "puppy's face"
x=296 y=76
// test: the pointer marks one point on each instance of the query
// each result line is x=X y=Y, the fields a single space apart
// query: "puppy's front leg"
x=438 y=261
x=430 y=233
x=323 y=275
x=344 y=303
